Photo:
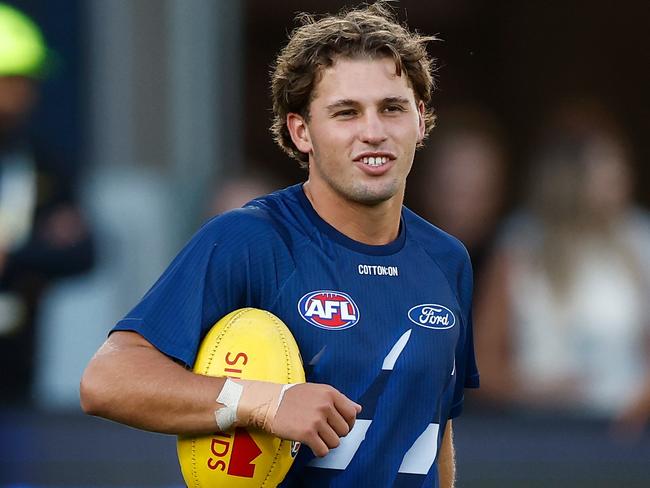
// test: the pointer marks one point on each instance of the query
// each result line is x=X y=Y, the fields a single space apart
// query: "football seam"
x=195 y=471
x=219 y=338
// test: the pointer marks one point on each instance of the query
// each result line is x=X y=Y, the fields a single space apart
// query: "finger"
x=347 y=408
x=329 y=437
x=338 y=423
x=318 y=446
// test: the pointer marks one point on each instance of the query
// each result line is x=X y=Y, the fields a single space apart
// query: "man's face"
x=362 y=131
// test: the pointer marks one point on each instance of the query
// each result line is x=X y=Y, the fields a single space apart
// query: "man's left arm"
x=446 y=459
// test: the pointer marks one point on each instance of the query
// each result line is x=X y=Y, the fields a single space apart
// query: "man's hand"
x=315 y=414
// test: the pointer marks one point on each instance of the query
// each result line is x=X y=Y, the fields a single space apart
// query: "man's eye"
x=345 y=113
x=394 y=108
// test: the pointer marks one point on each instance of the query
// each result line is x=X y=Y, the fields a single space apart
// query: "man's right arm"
x=131 y=382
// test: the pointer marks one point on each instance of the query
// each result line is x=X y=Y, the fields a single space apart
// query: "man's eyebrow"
x=401 y=100
x=348 y=102
x=345 y=102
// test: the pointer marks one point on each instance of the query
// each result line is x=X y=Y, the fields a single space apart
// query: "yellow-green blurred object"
x=22 y=48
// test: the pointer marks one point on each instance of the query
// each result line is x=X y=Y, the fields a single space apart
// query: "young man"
x=377 y=299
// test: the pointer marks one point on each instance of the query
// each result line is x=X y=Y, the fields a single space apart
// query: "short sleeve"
x=467 y=375
x=228 y=264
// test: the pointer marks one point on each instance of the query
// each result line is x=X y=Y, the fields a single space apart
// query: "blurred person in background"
x=462 y=179
x=42 y=232
x=235 y=191
x=562 y=318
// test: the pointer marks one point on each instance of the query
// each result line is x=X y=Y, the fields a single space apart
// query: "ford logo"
x=432 y=316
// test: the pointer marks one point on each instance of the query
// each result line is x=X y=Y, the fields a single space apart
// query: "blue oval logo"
x=432 y=316
x=327 y=309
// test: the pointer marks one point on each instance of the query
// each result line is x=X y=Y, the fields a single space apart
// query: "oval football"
x=250 y=344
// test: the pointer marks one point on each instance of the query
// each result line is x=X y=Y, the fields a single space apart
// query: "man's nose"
x=373 y=130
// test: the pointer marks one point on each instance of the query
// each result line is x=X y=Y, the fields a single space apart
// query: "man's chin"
x=373 y=197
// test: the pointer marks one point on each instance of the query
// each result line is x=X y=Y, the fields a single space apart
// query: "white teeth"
x=374 y=161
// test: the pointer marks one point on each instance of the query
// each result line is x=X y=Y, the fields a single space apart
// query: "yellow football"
x=250 y=344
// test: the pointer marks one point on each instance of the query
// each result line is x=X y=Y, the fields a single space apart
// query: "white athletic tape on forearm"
x=283 y=391
x=259 y=404
x=249 y=403
x=229 y=397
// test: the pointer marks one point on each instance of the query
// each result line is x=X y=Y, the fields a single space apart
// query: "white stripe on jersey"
x=340 y=457
x=391 y=357
x=419 y=458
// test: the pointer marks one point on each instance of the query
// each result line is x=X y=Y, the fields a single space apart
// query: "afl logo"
x=432 y=316
x=332 y=310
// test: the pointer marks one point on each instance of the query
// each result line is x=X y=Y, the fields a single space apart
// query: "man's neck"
x=369 y=224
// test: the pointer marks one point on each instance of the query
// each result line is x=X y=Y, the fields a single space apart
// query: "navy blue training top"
x=389 y=326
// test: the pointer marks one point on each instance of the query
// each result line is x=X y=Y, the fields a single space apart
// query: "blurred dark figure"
x=42 y=233
x=236 y=191
x=562 y=321
x=461 y=179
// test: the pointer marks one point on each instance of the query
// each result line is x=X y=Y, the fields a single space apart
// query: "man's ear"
x=421 y=124
x=299 y=132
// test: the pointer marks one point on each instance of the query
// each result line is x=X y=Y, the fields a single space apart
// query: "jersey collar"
x=342 y=239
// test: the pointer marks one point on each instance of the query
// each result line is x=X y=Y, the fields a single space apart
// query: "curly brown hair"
x=368 y=31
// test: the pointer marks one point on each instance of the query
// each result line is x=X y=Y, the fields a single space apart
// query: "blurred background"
x=125 y=124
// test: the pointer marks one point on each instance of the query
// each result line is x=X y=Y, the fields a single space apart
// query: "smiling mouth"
x=374 y=161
